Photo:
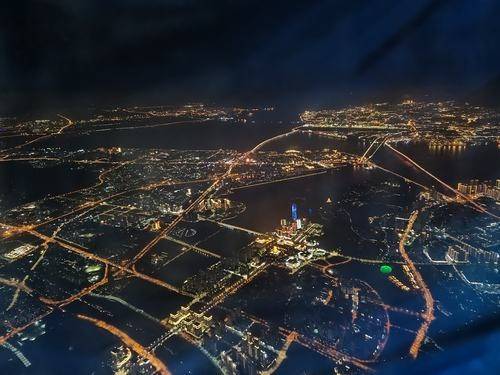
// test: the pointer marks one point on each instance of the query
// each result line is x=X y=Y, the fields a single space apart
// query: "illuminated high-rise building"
x=295 y=214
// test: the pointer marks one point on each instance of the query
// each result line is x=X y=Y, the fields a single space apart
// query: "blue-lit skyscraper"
x=295 y=215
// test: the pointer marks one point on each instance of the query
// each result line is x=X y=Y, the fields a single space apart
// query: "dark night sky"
x=316 y=51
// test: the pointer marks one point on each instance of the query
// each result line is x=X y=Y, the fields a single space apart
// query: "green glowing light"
x=385 y=269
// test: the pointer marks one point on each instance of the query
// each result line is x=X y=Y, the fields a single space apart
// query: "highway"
x=428 y=315
x=69 y=123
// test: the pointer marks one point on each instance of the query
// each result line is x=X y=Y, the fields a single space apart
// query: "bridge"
x=364 y=157
x=189 y=246
x=235 y=227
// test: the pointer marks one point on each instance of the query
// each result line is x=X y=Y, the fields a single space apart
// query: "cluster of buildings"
x=192 y=320
x=442 y=124
x=249 y=357
x=213 y=204
x=266 y=166
x=298 y=231
x=297 y=234
x=475 y=188
x=393 y=279
x=469 y=254
x=18 y=252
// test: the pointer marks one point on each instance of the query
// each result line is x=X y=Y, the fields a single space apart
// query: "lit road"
x=428 y=315
x=129 y=342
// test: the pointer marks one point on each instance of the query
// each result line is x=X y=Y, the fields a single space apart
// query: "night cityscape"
x=250 y=188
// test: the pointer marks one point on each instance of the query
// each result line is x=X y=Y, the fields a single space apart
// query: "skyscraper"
x=295 y=215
